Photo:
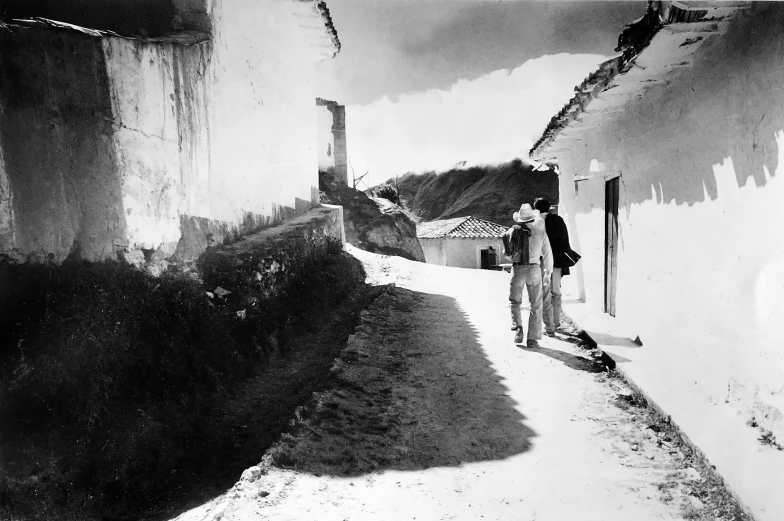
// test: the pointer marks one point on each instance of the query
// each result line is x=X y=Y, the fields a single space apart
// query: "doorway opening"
x=611 y=192
x=488 y=258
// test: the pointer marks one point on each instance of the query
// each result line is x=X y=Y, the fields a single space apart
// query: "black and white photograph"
x=391 y=260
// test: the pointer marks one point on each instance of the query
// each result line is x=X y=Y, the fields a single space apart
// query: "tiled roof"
x=672 y=30
x=461 y=228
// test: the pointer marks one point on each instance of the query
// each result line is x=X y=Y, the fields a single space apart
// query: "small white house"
x=463 y=242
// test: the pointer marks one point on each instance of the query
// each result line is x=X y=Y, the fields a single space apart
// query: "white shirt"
x=539 y=244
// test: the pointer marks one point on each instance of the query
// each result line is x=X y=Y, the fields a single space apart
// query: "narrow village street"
x=436 y=414
x=252 y=260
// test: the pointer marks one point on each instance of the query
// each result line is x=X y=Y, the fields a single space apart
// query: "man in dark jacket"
x=563 y=258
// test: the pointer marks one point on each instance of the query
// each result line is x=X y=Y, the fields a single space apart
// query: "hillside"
x=493 y=193
x=373 y=224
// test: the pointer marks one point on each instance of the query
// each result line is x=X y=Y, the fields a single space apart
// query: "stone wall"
x=701 y=224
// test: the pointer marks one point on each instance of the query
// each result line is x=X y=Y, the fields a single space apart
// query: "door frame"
x=611 y=196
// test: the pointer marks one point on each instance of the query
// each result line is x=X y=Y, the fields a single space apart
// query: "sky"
x=431 y=83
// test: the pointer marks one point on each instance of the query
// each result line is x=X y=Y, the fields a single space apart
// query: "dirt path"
x=436 y=414
x=251 y=419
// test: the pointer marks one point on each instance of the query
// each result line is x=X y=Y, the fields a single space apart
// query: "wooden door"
x=610 y=243
x=484 y=259
x=492 y=257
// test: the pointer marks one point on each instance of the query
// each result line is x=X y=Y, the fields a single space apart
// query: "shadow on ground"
x=249 y=421
x=609 y=340
x=571 y=361
x=232 y=428
x=413 y=391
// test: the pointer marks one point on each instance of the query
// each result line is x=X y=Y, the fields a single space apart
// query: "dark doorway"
x=487 y=258
x=610 y=243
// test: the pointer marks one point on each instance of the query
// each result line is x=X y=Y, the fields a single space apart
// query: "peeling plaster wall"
x=326 y=141
x=701 y=219
x=111 y=144
x=332 y=151
x=160 y=136
x=60 y=188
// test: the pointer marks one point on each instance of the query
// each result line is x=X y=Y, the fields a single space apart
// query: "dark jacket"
x=516 y=243
x=559 y=242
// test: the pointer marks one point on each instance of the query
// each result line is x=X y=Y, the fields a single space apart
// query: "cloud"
x=489 y=120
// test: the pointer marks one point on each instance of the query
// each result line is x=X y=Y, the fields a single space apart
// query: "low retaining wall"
x=261 y=263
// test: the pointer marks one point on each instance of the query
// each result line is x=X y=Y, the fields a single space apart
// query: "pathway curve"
x=436 y=414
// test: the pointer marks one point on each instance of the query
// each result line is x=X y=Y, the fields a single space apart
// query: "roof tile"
x=461 y=228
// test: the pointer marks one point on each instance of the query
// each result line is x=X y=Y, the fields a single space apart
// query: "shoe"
x=533 y=344
x=519 y=336
x=550 y=333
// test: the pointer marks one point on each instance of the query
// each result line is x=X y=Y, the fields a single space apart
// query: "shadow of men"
x=569 y=360
x=414 y=390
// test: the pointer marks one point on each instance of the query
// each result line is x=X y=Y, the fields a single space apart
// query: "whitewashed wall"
x=224 y=130
x=434 y=250
x=326 y=141
x=701 y=219
x=263 y=136
x=459 y=253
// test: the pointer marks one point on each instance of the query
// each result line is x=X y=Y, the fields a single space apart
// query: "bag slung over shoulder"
x=516 y=241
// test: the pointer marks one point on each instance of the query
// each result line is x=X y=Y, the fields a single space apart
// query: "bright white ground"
x=581 y=463
x=753 y=471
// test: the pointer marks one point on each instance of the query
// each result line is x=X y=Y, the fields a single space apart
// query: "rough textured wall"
x=701 y=224
x=112 y=145
x=326 y=141
x=332 y=139
x=338 y=130
x=58 y=155
x=162 y=148
x=263 y=142
x=7 y=227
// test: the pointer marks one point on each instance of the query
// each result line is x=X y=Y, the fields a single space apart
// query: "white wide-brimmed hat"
x=526 y=214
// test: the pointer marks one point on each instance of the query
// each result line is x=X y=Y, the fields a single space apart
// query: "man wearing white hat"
x=527 y=271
